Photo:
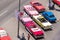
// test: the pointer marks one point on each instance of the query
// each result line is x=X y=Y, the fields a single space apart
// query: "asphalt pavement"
x=8 y=20
x=8 y=11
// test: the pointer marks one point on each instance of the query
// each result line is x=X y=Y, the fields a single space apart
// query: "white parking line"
x=4 y=12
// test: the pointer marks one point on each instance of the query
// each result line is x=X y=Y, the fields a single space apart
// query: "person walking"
x=28 y=36
x=51 y=5
x=23 y=37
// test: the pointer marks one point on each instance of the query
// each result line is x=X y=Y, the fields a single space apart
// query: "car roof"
x=49 y=13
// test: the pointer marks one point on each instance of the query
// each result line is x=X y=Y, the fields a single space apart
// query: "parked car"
x=4 y=35
x=42 y=22
x=38 y=6
x=30 y=10
x=49 y=16
x=32 y=27
x=56 y=2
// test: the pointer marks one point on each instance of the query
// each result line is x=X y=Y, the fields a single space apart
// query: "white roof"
x=47 y=24
x=26 y=19
x=35 y=29
x=3 y=33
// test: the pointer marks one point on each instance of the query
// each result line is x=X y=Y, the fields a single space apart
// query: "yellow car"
x=40 y=20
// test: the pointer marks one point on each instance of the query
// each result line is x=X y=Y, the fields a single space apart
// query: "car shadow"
x=48 y=30
x=53 y=22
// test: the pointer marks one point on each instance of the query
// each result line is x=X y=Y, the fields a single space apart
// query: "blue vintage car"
x=49 y=16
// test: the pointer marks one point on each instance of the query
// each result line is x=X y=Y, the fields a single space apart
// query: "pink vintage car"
x=30 y=10
x=32 y=27
x=4 y=35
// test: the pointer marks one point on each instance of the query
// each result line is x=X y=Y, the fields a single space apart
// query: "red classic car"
x=32 y=27
x=4 y=35
x=56 y=2
x=38 y=6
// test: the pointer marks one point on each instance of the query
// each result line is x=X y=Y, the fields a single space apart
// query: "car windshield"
x=52 y=16
x=42 y=19
x=38 y=4
x=34 y=26
x=3 y=33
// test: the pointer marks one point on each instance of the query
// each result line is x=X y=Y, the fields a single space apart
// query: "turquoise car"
x=49 y=16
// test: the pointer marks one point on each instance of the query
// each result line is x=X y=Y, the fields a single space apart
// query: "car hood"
x=5 y=38
x=47 y=24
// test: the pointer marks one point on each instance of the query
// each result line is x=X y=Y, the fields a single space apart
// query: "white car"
x=39 y=19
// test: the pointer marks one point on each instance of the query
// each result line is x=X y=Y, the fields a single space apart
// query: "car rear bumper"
x=37 y=37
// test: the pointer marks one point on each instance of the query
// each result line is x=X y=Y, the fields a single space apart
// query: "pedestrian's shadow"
x=23 y=38
x=19 y=37
x=57 y=9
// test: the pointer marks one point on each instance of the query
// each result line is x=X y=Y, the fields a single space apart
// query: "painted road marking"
x=4 y=12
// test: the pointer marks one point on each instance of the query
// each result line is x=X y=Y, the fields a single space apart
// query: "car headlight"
x=45 y=27
x=51 y=26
